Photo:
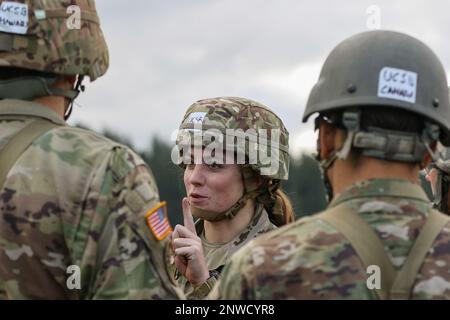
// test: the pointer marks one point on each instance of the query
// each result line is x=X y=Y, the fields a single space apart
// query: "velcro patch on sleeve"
x=158 y=222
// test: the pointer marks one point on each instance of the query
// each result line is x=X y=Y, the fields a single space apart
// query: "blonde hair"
x=283 y=211
x=268 y=192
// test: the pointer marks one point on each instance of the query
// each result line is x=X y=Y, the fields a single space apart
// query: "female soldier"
x=234 y=152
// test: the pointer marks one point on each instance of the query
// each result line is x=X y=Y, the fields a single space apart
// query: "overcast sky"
x=166 y=54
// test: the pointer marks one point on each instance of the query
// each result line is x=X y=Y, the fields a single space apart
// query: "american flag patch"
x=158 y=222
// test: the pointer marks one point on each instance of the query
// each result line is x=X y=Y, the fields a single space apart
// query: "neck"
x=224 y=231
x=344 y=173
x=57 y=104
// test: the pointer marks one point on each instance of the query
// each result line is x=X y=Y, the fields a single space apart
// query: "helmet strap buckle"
x=351 y=121
x=430 y=134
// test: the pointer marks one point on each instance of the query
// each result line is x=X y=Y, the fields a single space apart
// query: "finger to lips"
x=187 y=216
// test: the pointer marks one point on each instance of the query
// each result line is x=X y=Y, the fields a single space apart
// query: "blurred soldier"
x=73 y=204
x=437 y=174
x=383 y=103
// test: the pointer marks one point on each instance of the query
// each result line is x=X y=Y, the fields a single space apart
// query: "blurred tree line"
x=304 y=187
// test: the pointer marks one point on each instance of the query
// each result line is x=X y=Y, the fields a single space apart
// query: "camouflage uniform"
x=77 y=198
x=72 y=197
x=310 y=259
x=218 y=255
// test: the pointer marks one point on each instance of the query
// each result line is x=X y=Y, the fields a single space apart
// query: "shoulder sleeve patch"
x=134 y=201
x=158 y=222
x=146 y=192
x=140 y=196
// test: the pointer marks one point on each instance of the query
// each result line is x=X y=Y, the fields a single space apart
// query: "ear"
x=427 y=158
x=71 y=80
x=327 y=134
x=66 y=82
x=261 y=180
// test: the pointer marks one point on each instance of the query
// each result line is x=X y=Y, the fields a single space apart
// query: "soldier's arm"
x=130 y=260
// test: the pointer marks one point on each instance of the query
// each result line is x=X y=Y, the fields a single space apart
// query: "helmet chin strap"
x=30 y=88
x=324 y=165
x=218 y=216
x=351 y=121
x=79 y=87
x=33 y=87
x=382 y=144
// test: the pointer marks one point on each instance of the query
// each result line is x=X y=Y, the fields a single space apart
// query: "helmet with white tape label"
x=394 y=73
x=59 y=37
x=383 y=68
x=42 y=40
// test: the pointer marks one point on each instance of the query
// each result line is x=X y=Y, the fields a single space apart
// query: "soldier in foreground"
x=383 y=104
x=73 y=204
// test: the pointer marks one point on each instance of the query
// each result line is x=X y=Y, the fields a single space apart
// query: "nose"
x=196 y=175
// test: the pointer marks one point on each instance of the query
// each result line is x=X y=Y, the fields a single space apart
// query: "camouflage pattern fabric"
x=49 y=45
x=309 y=259
x=76 y=198
x=218 y=255
x=236 y=113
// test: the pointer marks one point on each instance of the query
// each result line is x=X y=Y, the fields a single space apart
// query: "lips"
x=196 y=198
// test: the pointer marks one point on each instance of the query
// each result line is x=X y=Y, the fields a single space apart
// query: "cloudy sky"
x=166 y=54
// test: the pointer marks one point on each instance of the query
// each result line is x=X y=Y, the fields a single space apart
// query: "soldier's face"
x=214 y=187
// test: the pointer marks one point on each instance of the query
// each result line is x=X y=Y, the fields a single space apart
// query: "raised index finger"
x=187 y=216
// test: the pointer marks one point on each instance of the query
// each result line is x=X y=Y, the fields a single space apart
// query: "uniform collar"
x=382 y=188
x=12 y=107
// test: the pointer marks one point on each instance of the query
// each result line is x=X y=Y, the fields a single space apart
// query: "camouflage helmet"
x=233 y=121
x=383 y=68
x=43 y=38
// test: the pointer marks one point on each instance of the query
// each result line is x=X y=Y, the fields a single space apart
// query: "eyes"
x=213 y=166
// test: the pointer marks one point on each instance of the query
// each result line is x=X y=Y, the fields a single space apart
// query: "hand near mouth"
x=189 y=257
